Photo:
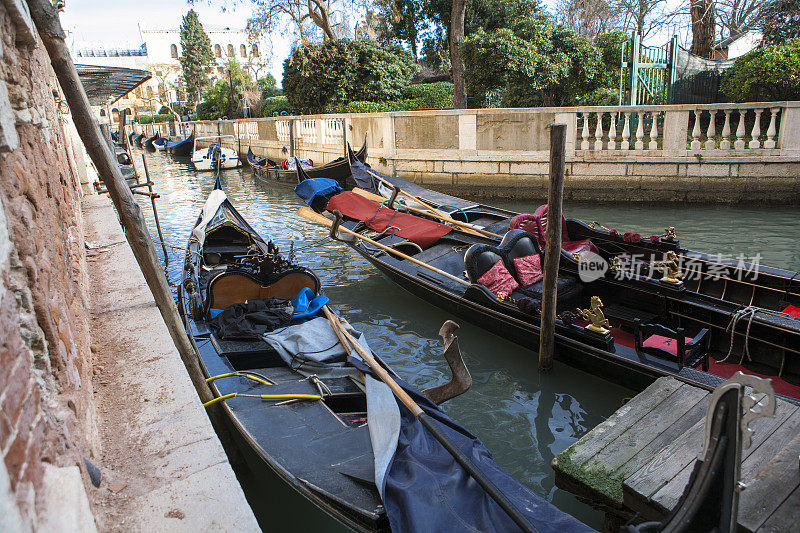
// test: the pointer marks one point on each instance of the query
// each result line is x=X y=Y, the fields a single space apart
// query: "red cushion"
x=529 y=269
x=665 y=343
x=579 y=247
x=792 y=311
x=498 y=279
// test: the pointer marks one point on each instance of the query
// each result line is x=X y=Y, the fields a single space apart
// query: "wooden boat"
x=320 y=444
x=181 y=148
x=338 y=169
x=648 y=325
x=139 y=138
x=131 y=135
x=214 y=156
x=148 y=143
x=160 y=143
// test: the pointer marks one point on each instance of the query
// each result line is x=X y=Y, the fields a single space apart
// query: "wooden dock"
x=640 y=459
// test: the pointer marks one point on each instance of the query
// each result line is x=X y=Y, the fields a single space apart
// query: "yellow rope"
x=265 y=397
x=241 y=375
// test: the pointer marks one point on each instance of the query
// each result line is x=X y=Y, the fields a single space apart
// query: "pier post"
x=552 y=253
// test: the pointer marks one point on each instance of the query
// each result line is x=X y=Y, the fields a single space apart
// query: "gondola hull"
x=148 y=143
x=182 y=148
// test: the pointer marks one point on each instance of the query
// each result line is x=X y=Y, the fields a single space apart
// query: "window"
x=243 y=50
x=230 y=50
x=115 y=114
x=173 y=50
x=255 y=50
x=102 y=112
x=149 y=91
x=138 y=92
x=217 y=50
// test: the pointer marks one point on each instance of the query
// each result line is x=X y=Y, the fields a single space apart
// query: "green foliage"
x=149 y=119
x=196 y=58
x=610 y=45
x=420 y=96
x=164 y=110
x=207 y=111
x=220 y=94
x=268 y=86
x=275 y=104
x=316 y=76
x=431 y=95
x=784 y=21
x=766 y=74
x=536 y=63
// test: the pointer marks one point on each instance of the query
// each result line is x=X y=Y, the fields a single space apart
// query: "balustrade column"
x=755 y=142
x=639 y=131
x=696 y=131
x=725 y=143
x=626 y=133
x=711 y=132
x=585 y=132
x=598 y=133
x=612 y=132
x=653 y=144
x=739 y=144
x=770 y=142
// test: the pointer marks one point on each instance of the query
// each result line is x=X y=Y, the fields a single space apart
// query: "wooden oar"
x=313 y=216
x=404 y=193
x=463 y=225
x=485 y=483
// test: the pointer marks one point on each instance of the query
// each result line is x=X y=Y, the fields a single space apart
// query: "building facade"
x=159 y=54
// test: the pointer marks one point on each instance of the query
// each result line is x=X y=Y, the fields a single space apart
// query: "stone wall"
x=46 y=408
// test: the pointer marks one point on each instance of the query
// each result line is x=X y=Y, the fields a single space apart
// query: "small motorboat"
x=215 y=156
x=160 y=143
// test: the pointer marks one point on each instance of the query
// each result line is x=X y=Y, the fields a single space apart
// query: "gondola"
x=338 y=169
x=324 y=437
x=139 y=138
x=148 y=143
x=131 y=135
x=630 y=328
x=160 y=143
x=181 y=148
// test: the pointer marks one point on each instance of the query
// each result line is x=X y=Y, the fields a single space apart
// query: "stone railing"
x=502 y=148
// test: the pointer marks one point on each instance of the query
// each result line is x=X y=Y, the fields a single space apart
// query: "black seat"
x=666 y=343
x=478 y=259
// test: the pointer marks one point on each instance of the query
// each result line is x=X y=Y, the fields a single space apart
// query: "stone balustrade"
x=505 y=151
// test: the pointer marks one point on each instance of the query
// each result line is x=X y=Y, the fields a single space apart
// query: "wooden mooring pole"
x=153 y=197
x=47 y=22
x=552 y=254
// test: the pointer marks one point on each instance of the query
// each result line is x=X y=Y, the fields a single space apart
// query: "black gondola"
x=321 y=446
x=655 y=325
x=338 y=169
x=182 y=148
x=139 y=138
x=148 y=143
x=131 y=135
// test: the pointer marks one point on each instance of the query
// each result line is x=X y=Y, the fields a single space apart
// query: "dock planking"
x=640 y=459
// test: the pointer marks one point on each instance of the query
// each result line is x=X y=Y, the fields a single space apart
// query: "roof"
x=108 y=84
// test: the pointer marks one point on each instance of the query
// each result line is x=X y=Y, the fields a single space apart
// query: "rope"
x=748 y=312
x=466 y=218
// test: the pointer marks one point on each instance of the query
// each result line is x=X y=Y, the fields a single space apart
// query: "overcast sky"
x=115 y=24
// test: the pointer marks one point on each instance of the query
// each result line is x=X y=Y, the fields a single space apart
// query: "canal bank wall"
x=100 y=427
x=712 y=154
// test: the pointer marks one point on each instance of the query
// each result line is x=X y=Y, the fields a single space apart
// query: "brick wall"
x=45 y=358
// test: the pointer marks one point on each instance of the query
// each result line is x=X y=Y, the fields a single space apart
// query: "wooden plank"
x=658 y=427
x=667 y=496
x=625 y=417
x=786 y=517
x=773 y=484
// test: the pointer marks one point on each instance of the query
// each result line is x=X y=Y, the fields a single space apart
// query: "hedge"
x=149 y=119
x=420 y=96
x=275 y=104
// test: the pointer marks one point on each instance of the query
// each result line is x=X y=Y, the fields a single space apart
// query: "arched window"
x=217 y=50
x=173 y=50
x=255 y=50
x=230 y=50
x=115 y=114
x=243 y=50
x=102 y=112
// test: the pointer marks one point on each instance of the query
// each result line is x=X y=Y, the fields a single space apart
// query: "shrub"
x=207 y=111
x=275 y=104
x=765 y=74
x=164 y=118
x=431 y=95
x=143 y=119
x=333 y=73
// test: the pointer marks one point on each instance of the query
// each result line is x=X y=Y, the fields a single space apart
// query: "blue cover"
x=173 y=144
x=311 y=189
x=306 y=305
x=427 y=490
x=161 y=141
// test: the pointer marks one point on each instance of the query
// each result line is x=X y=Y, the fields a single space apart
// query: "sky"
x=115 y=23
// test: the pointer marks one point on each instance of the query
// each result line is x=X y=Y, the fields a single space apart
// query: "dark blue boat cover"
x=362 y=177
x=427 y=490
x=173 y=144
x=311 y=189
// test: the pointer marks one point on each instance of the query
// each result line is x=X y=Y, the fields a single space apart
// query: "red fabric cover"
x=498 y=279
x=418 y=230
x=526 y=222
x=537 y=224
x=529 y=269
x=665 y=343
x=580 y=247
x=779 y=385
x=792 y=311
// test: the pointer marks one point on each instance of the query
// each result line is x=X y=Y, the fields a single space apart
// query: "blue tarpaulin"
x=425 y=489
x=311 y=189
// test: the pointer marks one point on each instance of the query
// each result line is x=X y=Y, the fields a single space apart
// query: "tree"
x=784 y=21
x=589 y=18
x=404 y=20
x=268 y=86
x=337 y=72
x=645 y=17
x=269 y=15
x=766 y=74
x=456 y=61
x=227 y=101
x=197 y=57
x=536 y=63
x=703 y=26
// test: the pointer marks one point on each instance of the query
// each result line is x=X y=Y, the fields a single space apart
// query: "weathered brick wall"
x=45 y=357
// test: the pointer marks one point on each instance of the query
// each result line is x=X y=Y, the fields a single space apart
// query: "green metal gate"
x=647 y=73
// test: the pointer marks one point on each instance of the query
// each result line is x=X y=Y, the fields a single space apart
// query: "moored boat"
x=327 y=423
x=160 y=143
x=281 y=173
x=139 y=138
x=215 y=156
x=181 y=148
x=630 y=327
x=148 y=143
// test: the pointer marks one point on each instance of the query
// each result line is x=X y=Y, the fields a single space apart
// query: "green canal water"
x=524 y=418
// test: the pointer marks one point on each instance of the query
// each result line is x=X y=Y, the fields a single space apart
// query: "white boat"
x=215 y=156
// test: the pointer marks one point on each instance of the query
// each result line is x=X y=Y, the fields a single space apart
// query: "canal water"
x=524 y=418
